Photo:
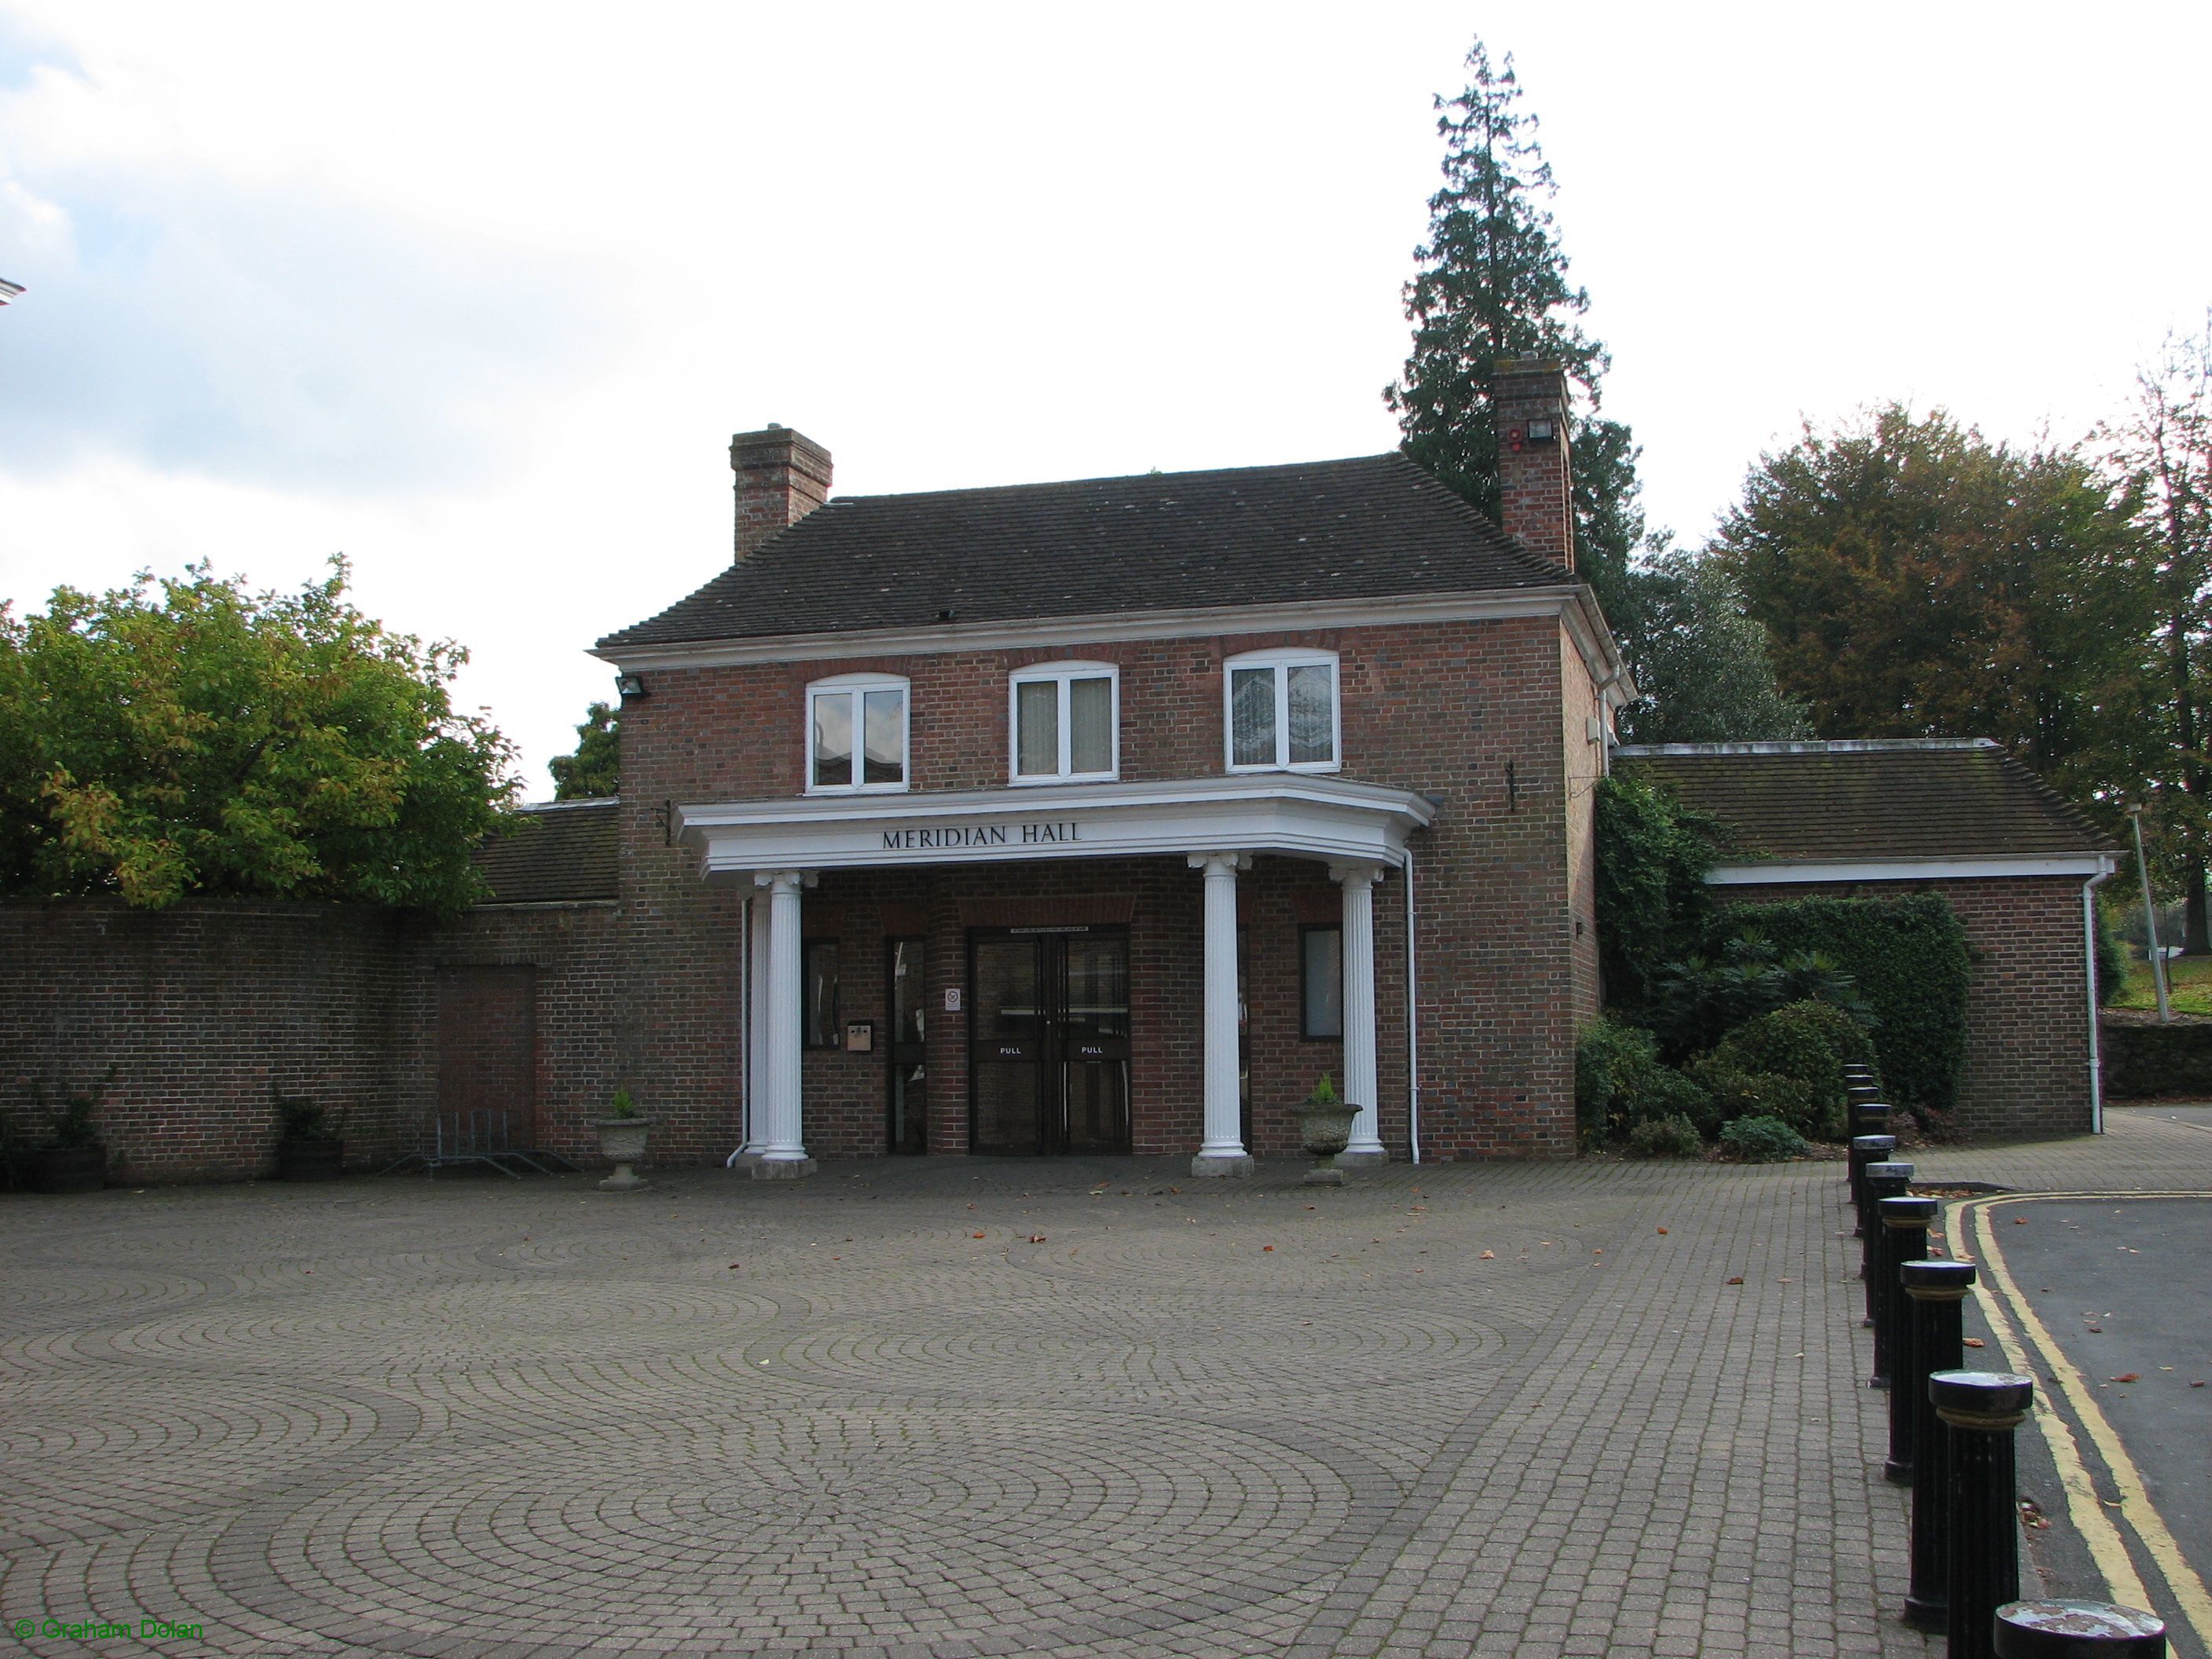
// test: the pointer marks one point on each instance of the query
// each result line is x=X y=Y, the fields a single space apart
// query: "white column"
x=755 y=1057
x=1223 y=1152
x=1360 y=1086
x=777 y=1129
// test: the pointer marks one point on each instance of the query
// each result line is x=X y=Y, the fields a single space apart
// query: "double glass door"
x=1049 y=1041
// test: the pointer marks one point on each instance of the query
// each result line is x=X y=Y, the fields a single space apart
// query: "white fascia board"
x=1182 y=623
x=1593 y=636
x=1300 y=817
x=1780 y=873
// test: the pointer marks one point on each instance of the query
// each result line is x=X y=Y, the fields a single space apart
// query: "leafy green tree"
x=1702 y=665
x=1918 y=580
x=1491 y=281
x=2161 y=457
x=595 y=770
x=199 y=739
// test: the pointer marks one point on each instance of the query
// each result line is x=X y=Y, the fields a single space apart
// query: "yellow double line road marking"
x=2018 y=1331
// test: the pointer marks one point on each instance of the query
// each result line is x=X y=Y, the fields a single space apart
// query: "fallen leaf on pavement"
x=2129 y=1376
x=2019 y=1221
x=1037 y=1238
x=1662 y=1230
x=1738 y=1279
x=1490 y=1255
x=1974 y=1342
x=2100 y=1329
x=1264 y=1249
x=975 y=1235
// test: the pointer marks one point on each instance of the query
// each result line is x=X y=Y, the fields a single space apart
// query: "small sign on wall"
x=952 y=999
x=859 y=1036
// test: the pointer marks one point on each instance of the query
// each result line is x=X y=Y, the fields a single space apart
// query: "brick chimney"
x=782 y=477
x=1535 y=489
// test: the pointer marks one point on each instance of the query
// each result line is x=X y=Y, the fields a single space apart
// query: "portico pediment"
x=1327 y=819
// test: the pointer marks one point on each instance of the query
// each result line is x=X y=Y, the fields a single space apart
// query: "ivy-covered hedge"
x=1909 y=958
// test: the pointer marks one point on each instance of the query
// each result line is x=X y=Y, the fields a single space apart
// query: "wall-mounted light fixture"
x=630 y=685
x=1543 y=432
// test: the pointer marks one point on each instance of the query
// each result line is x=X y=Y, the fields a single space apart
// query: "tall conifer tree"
x=1492 y=283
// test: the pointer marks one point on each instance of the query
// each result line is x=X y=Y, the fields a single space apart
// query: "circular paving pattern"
x=1102 y=1347
x=905 y=1524
x=465 y=1325
x=88 y=1452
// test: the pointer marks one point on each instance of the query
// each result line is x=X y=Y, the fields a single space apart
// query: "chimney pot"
x=781 y=477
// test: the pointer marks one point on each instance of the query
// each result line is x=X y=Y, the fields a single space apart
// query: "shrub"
x=1908 y=958
x=1738 y=1093
x=1763 y=1140
x=1700 y=999
x=1808 y=1043
x=1665 y=1137
x=1619 y=1083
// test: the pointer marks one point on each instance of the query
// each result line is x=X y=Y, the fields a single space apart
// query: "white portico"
x=777 y=849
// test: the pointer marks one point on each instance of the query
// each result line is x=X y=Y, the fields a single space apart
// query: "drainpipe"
x=2089 y=953
x=1412 y=1020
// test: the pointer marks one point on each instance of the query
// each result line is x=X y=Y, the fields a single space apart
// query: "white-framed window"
x=856 y=732
x=1065 y=721
x=1281 y=709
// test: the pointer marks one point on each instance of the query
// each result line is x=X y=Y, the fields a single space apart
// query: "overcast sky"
x=477 y=294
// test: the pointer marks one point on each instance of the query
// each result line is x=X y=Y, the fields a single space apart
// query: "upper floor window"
x=1282 y=711
x=1066 y=722
x=856 y=730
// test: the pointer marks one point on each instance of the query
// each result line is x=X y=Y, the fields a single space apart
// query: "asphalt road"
x=2123 y=1288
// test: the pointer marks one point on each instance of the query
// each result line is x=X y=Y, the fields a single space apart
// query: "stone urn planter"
x=621 y=1142
x=1325 y=1123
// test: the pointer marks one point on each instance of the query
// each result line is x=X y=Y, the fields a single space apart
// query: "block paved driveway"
x=956 y=1408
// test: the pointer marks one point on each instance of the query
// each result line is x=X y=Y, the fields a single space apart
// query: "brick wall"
x=207 y=1009
x=211 y=1008
x=1467 y=713
x=2027 y=1008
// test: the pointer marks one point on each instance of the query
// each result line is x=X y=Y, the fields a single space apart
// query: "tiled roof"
x=559 y=854
x=1373 y=528
x=1869 y=802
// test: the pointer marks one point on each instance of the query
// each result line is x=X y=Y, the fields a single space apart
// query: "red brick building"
x=1106 y=815
x=1956 y=817
x=1094 y=816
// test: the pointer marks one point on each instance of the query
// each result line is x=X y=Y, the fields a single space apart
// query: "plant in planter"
x=621 y=1140
x=307 y=1149
x=1326 y=1120
x=77 y=1162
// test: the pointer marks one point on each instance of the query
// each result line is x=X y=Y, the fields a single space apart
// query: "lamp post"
x=2150 y=920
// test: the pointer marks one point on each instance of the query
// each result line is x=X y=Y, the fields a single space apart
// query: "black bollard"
x=1904 y=1223
x=1881 y=1275
x=1871 y=1119
x=1981 y=1409
x=1885 y=1180
x=2078 y=1630
x=1936 y=1292
x=1865 y=1150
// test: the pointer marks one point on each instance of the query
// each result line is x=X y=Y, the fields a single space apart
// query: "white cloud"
x=477 y=294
